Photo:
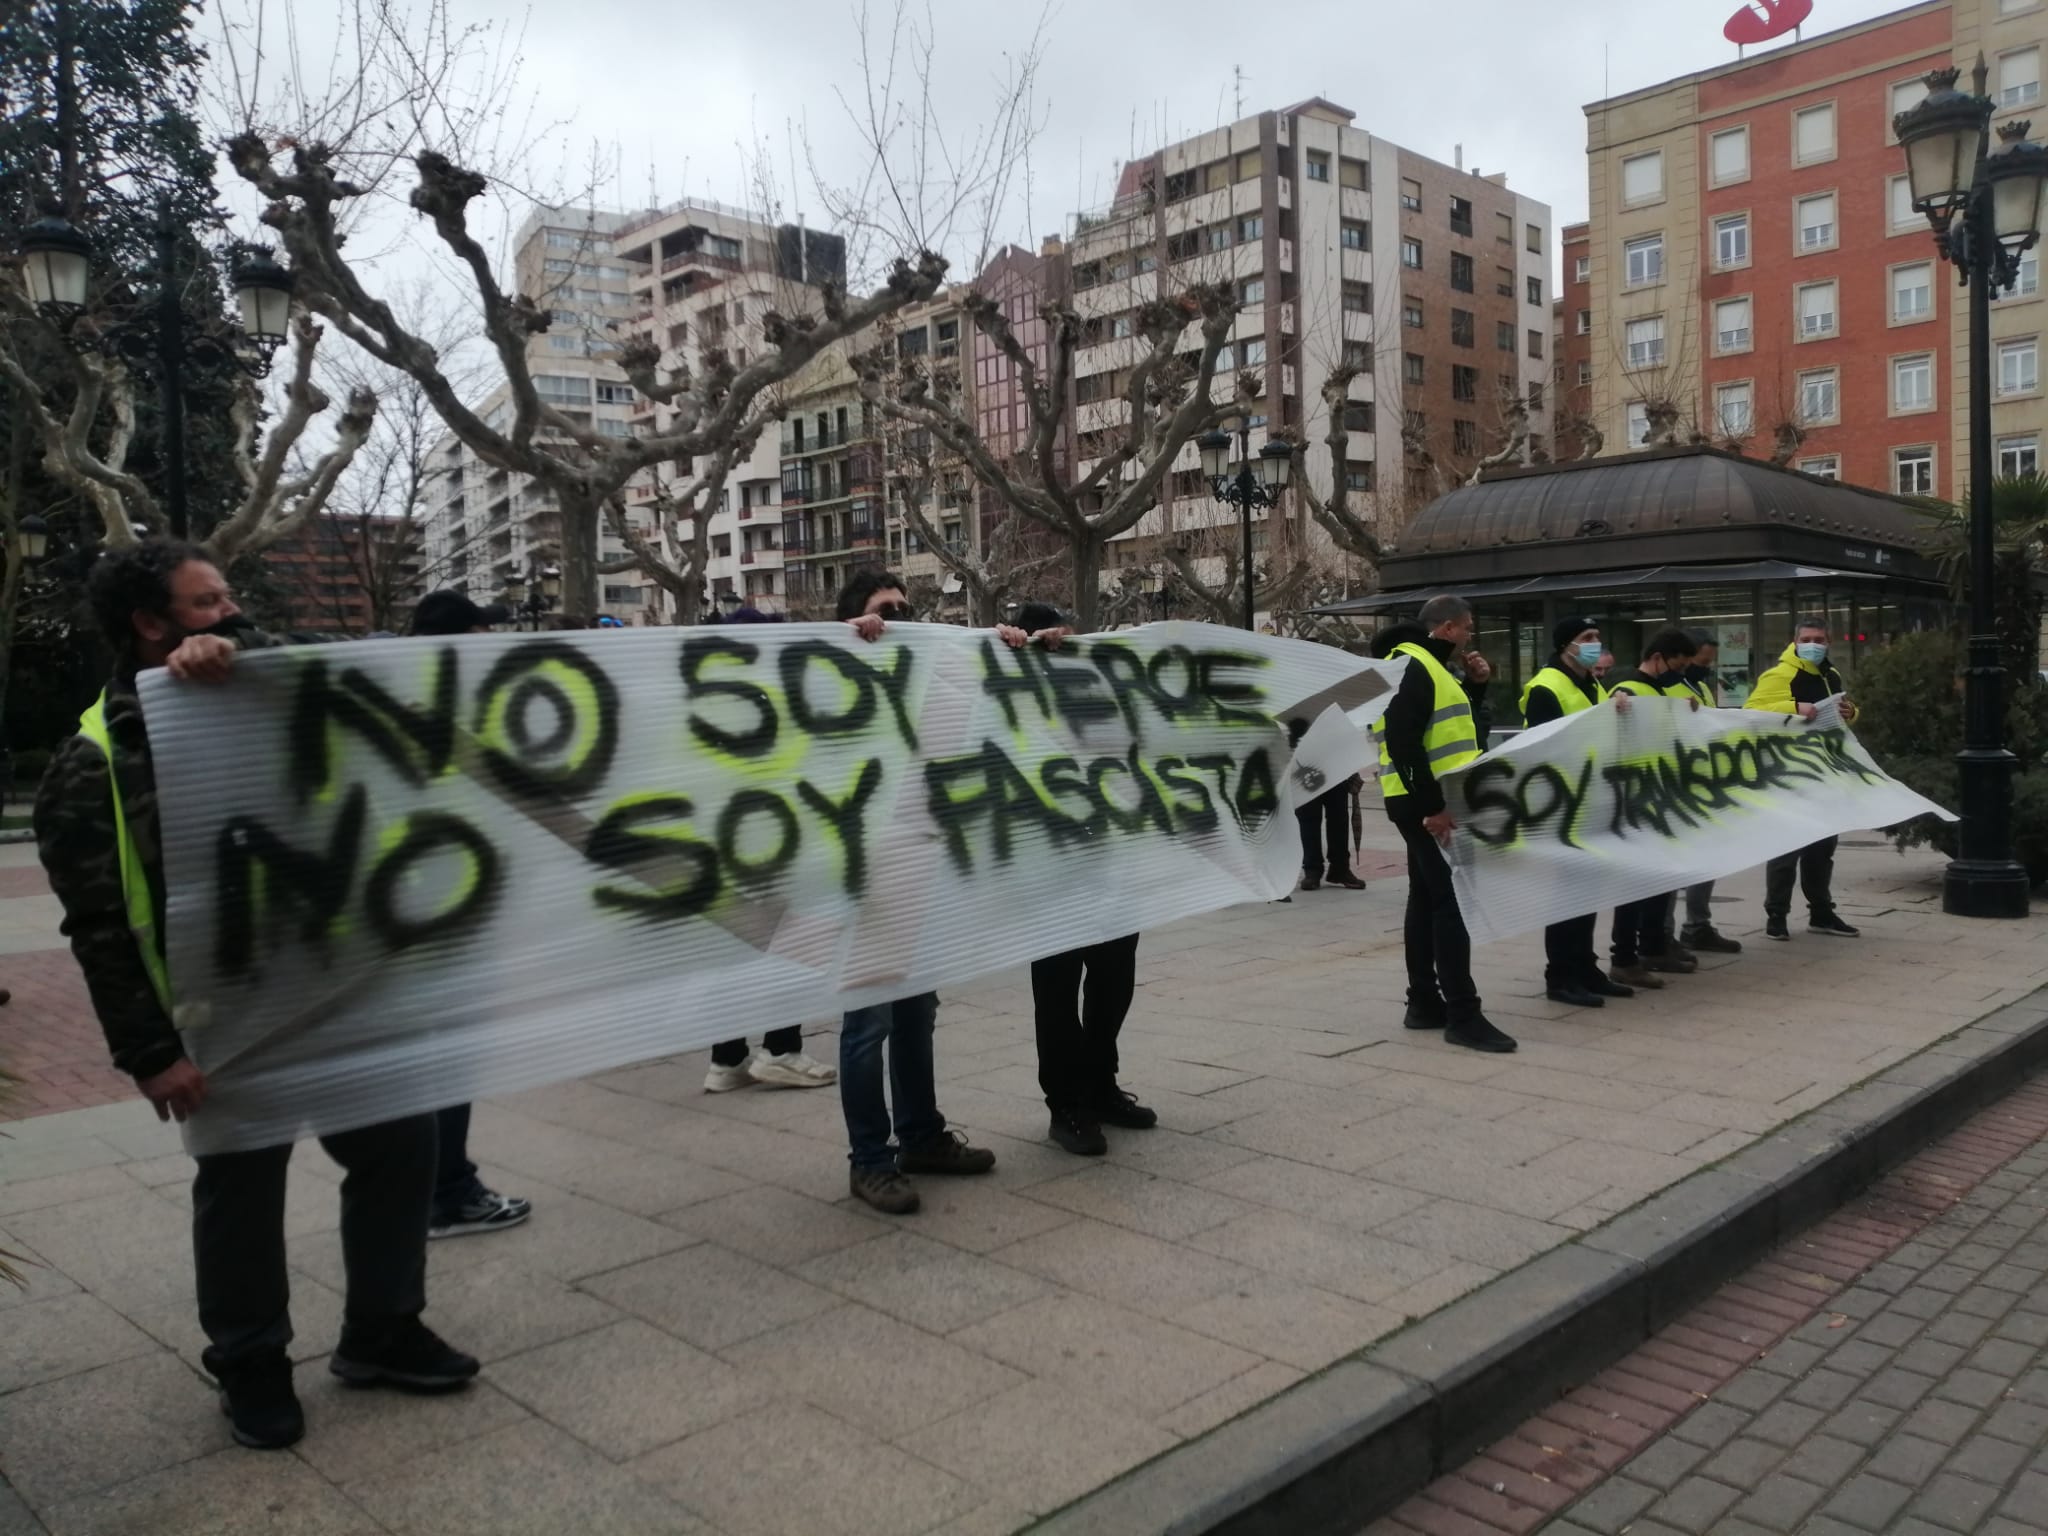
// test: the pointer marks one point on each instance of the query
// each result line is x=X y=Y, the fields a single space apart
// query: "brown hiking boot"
x=885 y=1189
x=947 y=1152
x=1637 y=976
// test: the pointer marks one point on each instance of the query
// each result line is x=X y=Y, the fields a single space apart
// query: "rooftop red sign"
x=1758 y=21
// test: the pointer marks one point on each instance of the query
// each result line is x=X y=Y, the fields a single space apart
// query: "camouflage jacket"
x=74 y=825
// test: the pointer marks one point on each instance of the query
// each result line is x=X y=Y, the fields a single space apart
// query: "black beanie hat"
x=1569 y=629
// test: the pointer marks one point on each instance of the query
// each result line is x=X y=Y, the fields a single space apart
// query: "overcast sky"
x=669 y=92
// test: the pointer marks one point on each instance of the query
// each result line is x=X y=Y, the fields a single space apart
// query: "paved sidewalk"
x=695 y=1300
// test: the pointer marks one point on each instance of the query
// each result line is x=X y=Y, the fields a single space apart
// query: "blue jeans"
x=906 y=1025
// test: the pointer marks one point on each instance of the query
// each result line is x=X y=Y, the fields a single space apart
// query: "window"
x=1411 y=254
x=620 y=596
x=1411 y=195
x=1819 y=397
x=1642 y=261
x=1532 y=238
x=1411 y=314
x=1251 y=291
x=1732 y=409
x=1504 y=282
x=1358 y=298
x=1731 y=325
x=2019 y=455
x=2016 y=7
x=1645 y=340
x=1913 y=383
x=1183 y=246
x=1642 y=177
x=1461 y=272
x=1217 y=237
x=1535 y=343
x=1913 y=471
x=1817 y=309
x=1535 y=397
x=1121 y=326
x=1355 y=235
x=1249 y=228
x=1585 y=373
x=1318 y=165
x=1358 y=355
x=1252 y=353
x=1730 y=156
x=1461 y=216
x=1504 y=335
x=1464 y=384
x=1906 y=95
x=1638 y=424
x=1827 y=467
x=1816 y=222
x=2019 y=77
x=1731 y=240
x=614 y=394
x=1247 y=165
x=1535 y=290
x=1411 y=367
x=1899 y=200
x=1464 y=436
x=2019 y=367
x=1358 y=474
x=1462 y=329
x=1583 y=323
x=1354 y=173
x=1913 y=291
x=1813 y=135
x=1358 y=416
x=1582 y=270
x=2028 y=283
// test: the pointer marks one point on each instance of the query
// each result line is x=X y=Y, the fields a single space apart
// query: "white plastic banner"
x=409 y=873
x=1605 y=806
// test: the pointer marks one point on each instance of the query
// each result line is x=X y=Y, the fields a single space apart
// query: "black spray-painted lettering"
x=582 y=704
x=868 y=685
x=428 y=835
x=848 y=818
x=685 y=867
x=755 y=737
x=258 y=870
x=417 y=742
x=1542 y=796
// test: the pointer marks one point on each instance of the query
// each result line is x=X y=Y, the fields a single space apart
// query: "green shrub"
x=1910 y=701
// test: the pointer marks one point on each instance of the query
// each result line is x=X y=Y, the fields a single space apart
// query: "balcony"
x=746 y=557
x=700 y=259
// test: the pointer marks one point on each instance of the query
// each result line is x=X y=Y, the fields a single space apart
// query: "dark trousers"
x=1079 y=1000
x=905 y=1027
x=1568 y=953
x=1433 y=933
x=238 y=1238
x=777 y=1042
x=1325 y=833
x=455 y=1180
x=1639 y=928
x=1815 y=866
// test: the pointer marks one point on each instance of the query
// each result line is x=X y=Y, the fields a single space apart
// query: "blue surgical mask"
x=1589 y=653
x=1811 y=651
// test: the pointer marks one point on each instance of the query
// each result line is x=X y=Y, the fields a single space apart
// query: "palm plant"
x=2019 y=520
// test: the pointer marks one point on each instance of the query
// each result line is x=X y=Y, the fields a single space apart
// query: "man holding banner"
x=164 y=604
x=1799 y=684
x=1571 y=971
x=1699 y=933
x=1641 y=946
x=1431 y=728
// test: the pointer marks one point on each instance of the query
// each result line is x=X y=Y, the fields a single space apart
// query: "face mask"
x=1697 y=674
x=1589 y=653
x=1811 y=651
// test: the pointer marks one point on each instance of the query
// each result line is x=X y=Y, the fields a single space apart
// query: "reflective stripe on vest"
x=1448 y=739
x=92 y=725
x=1571 y=698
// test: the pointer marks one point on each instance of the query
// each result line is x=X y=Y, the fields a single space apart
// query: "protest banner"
x=407 y=873
x=1605 y=806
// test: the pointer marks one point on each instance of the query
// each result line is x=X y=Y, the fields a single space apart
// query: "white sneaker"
x=725 y=1079
x=795 y=1070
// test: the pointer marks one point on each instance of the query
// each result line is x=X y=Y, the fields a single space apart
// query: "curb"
x=17 y=835
x=1329 y=1456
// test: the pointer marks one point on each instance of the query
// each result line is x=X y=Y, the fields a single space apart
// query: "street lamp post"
x=57 y=259
x=1985 y=210
x=532 y=594
x=1244 y=487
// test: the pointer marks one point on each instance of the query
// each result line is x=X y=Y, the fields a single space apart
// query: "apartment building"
x=482 y=525
x=1571 y=379
x=1343 y=249
x=1758 y=276
x=830 y=462
x=320 y=576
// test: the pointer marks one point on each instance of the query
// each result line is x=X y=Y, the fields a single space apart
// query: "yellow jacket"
x=1793 y=682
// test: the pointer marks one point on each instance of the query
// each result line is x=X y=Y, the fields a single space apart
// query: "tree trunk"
x=578 y=555
x=1087 y=581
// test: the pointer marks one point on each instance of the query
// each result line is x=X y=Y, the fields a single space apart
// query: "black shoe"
x=885 y=1189
x=1600 y=984
x=489 y=1212
x=1710 y=941
x=1577 y=997
x=1774 y=928
x=263 y=1411
x=1077 y=1131
x=1115 y=1107
x=1833 y=925
x=1424 y=1016
x=1478 y=1034
x=1347 y=879
x=1311 y=882
x=947 y=1152
x=409 y=1355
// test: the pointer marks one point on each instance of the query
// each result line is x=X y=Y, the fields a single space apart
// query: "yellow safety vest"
x=92 y=725
x=1570 y=697
x=1649 y=690
x=1450 y=737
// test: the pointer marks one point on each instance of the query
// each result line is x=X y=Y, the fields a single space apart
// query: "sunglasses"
x=897 y=612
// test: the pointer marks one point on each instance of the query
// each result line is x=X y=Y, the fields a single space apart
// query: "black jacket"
x=1407 y=720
